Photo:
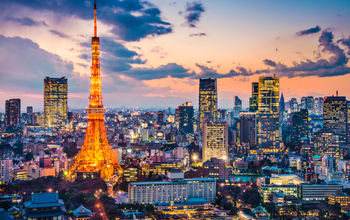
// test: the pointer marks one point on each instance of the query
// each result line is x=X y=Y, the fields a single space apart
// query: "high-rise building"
x=6 y=169
x=12 y=112
x=223 y=115
x=299 y=126
x=293 y=105
x=185 y=118
x=348 y=128
x=29 y=109
x=327 y=143
x=161 y=117
x=215 y=141
x=283 y=114
x=335 y=116
x=247 y=128
x=208 y=103
x=95 y=157
x=318 y=106
x=268 y=114
x=253 y=101
x=28 y=117
x=282 y=104
x=237 y=106
x=55 y=101
x=308 y=104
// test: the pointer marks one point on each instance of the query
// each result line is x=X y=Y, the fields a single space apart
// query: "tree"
x=252 y=197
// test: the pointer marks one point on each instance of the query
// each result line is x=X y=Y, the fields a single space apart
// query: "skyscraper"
x=208 y=103
x=247 y=128
x=293 y=105
x=55 y=101
x=308 y=103
x=95 y=157
x=348 y=128
x=335 y=116
x=237 y=106
x=299 y=126
x=12 y=112
x=185 y=118
x=282 y=104
x=253 y=101
x=268 y=114
x=215 y=141
x=318 y=106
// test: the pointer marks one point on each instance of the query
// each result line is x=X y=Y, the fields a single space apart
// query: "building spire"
x=95 y=20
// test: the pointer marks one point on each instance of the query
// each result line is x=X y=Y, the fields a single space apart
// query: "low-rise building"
x=342 y=199
x=176 y=190
x=316 y=192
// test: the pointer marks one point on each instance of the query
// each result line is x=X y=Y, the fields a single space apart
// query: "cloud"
x=346 y=42
x=268 y=62
x=335 y=65
x=193 y=13
x=130 y=20
x=207 y=72
x=169 y=70
x=312 y=30
x=201 y=34
x=26 y=21
x=59 y=34
x=27 y=64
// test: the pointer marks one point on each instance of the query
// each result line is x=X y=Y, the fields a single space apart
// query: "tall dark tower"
x=95 y=156
x=208 y=103
x=12 y=112
x=282 y=104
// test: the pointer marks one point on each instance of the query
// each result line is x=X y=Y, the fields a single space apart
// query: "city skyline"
x=158 y=61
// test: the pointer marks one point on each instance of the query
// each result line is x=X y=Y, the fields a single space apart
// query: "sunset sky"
x=154 y=51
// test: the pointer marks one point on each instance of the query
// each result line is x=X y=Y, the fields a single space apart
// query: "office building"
x=216 y=169
x=342 y=199
x=237 y=106
x=175 y=190
x=317 y=192
x=327 y=143
x=308 y=103
x=293 y=105
x=268 y=114
x=299 y=126
x=348 y=125
x=215 y=141
x=12 y=112
x=253 y=100
x=184 y=117
x=6 y=170
x=161 y=117
x=207 y=101
x=55 y=101
x=247 y=128
x=318 y=106
x=335 y=117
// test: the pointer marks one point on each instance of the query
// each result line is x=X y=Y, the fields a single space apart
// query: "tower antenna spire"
x=95 y=20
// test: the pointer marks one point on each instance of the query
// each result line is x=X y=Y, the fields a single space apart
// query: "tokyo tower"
x=95 y=157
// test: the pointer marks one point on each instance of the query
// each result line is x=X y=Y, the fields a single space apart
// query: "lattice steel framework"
x=96 y=154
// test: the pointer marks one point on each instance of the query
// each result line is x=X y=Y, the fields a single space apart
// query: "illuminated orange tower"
x=95 y=156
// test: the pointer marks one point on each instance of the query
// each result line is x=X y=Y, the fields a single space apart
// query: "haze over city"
x=154 y=51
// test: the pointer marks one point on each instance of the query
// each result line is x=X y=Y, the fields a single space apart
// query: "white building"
x=176 y=190
x=6 y=168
